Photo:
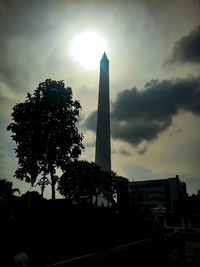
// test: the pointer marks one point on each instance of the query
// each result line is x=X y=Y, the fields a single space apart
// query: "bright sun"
x=87 y=48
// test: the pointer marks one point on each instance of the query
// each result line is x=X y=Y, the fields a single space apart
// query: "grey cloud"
x=16 y=24
x=2 y=162
x=91 y=121
x=142 y=115
x=176 y=132
x=124 y=152
x=113 y=151
x=32 y=36
x=187 y=48
x=138 y=172
x=29 y=39
x=7 y=156
x=143 y=150
x=90 y=144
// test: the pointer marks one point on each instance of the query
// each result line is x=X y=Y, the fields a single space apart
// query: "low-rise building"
x=159 y=193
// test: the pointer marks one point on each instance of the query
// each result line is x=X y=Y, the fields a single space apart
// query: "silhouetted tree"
x=122 y=193
x=83 y=179
x=187 y=206
x=111 y=184
x=43 y=182
x=79 y=180
x=6 y=190
x=34 y=196
x=45 y=131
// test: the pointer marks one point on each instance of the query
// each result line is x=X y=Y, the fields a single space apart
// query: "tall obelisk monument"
x=103 y=153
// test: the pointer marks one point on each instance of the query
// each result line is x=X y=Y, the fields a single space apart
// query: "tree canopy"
x=44 y=129
x=86 y=180
x=6 y=190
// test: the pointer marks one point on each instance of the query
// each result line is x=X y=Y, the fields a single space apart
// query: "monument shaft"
x=103 y=152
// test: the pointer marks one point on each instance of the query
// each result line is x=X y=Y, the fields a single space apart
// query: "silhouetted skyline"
x=154 y=78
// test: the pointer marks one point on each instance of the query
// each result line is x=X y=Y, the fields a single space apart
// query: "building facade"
x=160 y=193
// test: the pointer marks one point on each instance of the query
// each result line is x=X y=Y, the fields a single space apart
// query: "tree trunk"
x=43 y=184
x=90 y=200
x=42 y=189
x=53 y=192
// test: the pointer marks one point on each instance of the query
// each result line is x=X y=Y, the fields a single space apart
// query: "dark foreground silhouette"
x=47 y=232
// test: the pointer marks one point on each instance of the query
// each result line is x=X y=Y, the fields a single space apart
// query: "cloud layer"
x=187 y=48
x=142 y=115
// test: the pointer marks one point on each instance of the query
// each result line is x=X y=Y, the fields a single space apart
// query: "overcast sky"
x=153 y=48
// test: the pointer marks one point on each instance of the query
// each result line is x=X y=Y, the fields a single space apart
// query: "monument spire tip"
x=104 y=57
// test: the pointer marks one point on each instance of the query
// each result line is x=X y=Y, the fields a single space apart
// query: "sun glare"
x=87 y=48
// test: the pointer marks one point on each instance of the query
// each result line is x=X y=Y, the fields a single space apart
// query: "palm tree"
x=6 y=190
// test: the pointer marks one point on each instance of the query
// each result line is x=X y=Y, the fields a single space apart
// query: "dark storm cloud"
x=142 y=115
x=187 y=48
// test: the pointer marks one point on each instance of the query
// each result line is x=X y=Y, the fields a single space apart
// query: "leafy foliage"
x=32 y=197
x=187 y=206
x=45 y=131
x=6 y=190
x=79 y=179
x=83 y=179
